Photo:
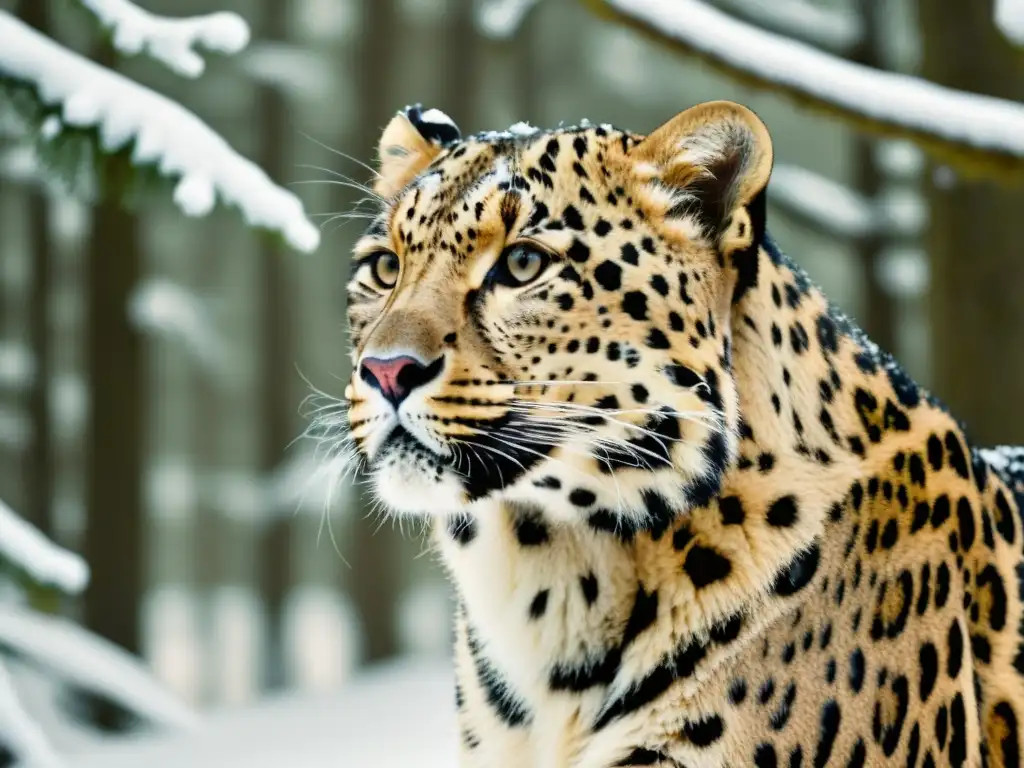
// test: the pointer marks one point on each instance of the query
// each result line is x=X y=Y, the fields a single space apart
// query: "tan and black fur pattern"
x=694 y=517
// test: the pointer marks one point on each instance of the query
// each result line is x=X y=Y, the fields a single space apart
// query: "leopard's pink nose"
x=396 y=377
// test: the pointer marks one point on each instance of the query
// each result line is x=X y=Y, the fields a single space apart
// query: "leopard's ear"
x=410 y=142
x=714 y=160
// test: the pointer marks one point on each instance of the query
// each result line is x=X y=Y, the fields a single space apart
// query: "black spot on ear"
x=437 y=131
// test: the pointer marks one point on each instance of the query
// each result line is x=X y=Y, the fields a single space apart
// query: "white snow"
x=21 y=734
x=972 y=119
x=1008 y=459
x=827 y=204
x=499 y=19
x=836 y=28
x=24 y=546
x=166 y=134
x=393 y=716
x=170 y=41
x=522 y=128
x=81 y=658
x=50 y=128
x=1009 y=17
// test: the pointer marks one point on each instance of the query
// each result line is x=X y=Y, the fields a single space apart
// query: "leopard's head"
x=543 y=317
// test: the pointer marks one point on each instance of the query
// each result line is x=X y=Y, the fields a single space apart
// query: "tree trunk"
x=877 y=315
x=41 y=472
x=374 y=579
x=115 y=449
x=977 y=316
x=275 y=562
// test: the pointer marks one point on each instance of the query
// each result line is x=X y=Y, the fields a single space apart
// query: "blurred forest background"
x=153 y=367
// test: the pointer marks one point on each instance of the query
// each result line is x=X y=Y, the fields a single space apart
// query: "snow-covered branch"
x=839 y=211
x=1009 y=15
x=499 y=19
x=968 y=129
x=162 y=134
x=170 y=41
x=835 y=29
x=21 y=734
x=76 y=656
x=23 y=546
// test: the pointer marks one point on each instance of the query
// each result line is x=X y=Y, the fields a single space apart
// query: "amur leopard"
x=693 y=515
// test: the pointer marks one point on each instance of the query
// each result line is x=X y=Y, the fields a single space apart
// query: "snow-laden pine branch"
x=21 y=734
x=23 y=546
x=162 y=133
x=967 y=128
x=835 y=29
x=172 y=42
x=1009 y=17
x=78 y=657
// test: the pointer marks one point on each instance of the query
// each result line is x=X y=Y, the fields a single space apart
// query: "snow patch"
x=1006 y=459
x=398 y=714
x=1010 y=20
x=522 y=128
x=22 y=735
x=972 y=119
x=499 y=19
x=24 y=546
x=835 y=28
x=51 y=128
x=170 y=41
x=165 y=133
x=91 y=662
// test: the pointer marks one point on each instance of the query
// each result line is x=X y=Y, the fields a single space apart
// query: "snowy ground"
x=399 y=714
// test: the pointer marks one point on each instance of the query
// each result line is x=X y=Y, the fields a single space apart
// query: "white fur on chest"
x=498 y=578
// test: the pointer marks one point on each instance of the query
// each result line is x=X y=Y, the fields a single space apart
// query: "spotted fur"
x=694 y=517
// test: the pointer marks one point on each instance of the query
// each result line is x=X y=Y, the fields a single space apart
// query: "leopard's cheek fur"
x=626 y=403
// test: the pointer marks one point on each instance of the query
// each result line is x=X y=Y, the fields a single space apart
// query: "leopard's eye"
x=385 y=269
x=521 y=264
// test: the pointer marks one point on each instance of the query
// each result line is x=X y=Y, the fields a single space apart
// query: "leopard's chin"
x=410 y=479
